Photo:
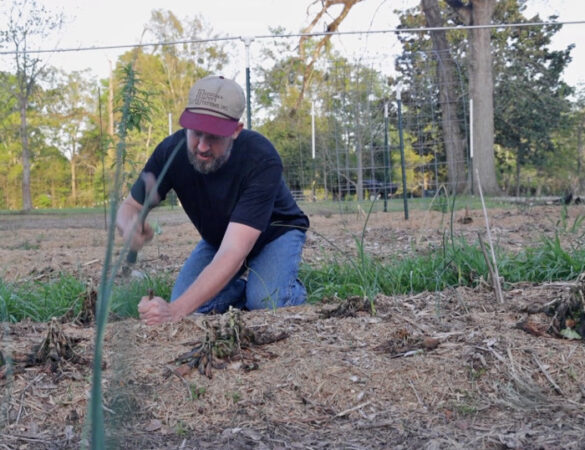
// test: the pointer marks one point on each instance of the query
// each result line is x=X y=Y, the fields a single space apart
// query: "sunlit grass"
x=39 y=301
x=454 y=264
x=396 y=204
x=342 y=274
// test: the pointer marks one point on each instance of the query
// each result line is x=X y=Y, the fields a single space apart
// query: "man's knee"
x=259 y=297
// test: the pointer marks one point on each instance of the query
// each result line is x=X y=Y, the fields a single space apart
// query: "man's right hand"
x=126 y=219
x=156 y=310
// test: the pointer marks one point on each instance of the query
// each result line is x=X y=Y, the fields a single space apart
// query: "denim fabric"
x=271 y=276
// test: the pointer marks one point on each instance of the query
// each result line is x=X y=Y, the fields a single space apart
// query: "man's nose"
x=203 y=143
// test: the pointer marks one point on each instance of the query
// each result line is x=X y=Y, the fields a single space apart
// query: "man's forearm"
x=127 y=213
x=236 y=245
x=207 y=285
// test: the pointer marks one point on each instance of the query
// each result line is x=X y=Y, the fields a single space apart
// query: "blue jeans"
x=272 y=279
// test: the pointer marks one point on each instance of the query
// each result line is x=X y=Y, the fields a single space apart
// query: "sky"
x=101 y=23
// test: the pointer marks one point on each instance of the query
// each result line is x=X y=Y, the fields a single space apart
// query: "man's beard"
x=212 y=165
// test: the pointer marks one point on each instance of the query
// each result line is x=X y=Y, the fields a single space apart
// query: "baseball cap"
x=215 y=106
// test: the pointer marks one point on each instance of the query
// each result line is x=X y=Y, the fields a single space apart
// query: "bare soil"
x=451 y=369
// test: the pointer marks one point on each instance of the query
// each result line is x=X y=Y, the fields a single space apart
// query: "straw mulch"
x=451 y=369
x=448 y=369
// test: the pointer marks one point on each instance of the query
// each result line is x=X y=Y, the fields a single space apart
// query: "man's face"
x=208 y=152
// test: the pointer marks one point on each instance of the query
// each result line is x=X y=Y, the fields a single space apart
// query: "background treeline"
x=338 y=116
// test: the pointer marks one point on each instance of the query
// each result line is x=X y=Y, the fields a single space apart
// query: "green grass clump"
x=125 y=298
x=547 y=262
x=455 y=264
x=40 y=301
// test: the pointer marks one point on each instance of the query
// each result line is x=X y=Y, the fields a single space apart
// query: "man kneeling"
x=229 y=182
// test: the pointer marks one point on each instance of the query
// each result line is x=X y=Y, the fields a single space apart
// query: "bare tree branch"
x=463 y=10
x=331 y=28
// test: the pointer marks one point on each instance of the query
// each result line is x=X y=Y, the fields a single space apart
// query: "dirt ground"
x=434 y=370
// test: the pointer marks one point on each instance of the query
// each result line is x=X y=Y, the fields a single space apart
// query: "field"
x=448 y=369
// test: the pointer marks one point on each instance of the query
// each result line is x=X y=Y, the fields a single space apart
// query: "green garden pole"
x=247 y=42
x=400 y=134
x=386 y=158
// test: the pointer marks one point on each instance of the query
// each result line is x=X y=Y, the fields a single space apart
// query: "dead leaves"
x=348 y=308
x=55 y=349
x=226 y=340
x=56 y=354
x=404 y=344
x=563 y=317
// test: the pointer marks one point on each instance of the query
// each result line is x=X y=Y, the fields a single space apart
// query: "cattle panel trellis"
x=352 y=158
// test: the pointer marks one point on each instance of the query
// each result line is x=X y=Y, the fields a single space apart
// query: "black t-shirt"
x=247 y=189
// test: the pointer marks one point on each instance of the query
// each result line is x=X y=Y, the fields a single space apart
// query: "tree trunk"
x=581 y=178
x=454 y=141
x=517 y=177
x=481 y=83
x=73 y=182
x=26 y=197
x=112 y=146
x=481 y=90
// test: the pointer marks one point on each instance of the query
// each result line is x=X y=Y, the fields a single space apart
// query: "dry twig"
x=494 y=266
x=555 y=386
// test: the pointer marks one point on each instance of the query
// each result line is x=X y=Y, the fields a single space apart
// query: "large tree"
x=455 y=148
x=27 y=24
x=9 y=143
x=68 y=109
x=531 y=101
x=475 y=13
x=478 y=14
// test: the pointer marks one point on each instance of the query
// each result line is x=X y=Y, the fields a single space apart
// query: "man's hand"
x=142 y=235
x=126 y=219
x=156 y=310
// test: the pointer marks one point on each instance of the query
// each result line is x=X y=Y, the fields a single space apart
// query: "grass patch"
x=125 y=298
x=456 y=264
x=548 y=262
x=39 y=301
x=396 y=204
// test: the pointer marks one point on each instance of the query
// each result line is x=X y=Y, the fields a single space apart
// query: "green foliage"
x=69 y=134
x=531 y=101
x=457 y=263
x=548 y=262
x=125 y=297
x=133 y=101
x=40 y=301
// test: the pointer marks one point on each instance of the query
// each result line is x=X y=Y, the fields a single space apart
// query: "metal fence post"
x=400 y=134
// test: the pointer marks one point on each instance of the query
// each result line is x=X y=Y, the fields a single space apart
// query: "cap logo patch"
x=209 y=99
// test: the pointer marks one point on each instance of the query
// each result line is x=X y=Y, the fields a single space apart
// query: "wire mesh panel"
x=340 y=145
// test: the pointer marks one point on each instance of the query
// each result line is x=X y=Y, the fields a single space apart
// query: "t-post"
x=401 y=136
x=247 y=41
x=386 y=158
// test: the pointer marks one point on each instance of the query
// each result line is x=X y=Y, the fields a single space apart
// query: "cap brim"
x=208 y=124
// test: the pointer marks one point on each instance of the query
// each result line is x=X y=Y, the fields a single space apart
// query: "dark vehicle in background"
x=372 y=189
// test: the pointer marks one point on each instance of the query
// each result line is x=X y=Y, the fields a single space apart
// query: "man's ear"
x=238 y=130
